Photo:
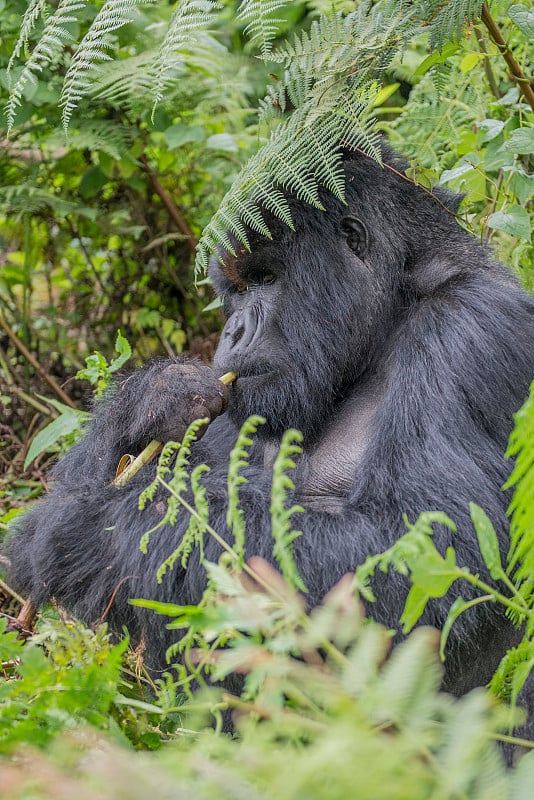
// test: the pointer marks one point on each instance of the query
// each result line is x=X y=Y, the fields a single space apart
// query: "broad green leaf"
x=122 y=347
x=451 y=174
x=414 y=607
x=523 y=18
x=384 y=94
x=514 y=220
x=434 y=574
x=180 y=134
x=64 y=425
x=470 y=61
x=491 y=128
x=222 y=141
x=487 y=541
x=439 y=57
x=217 y=303
x=521 y=141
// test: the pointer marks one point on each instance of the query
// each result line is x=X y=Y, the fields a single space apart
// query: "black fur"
x=392 y=340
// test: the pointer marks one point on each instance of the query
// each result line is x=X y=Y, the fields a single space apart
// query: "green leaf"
x=470 y=61
x=457 y=172
x=434 y=574
x=217 y=303
x=64 y=425
x=93 y=180
x=122 y=347
x=487 y=541
x=439 y=57
x=491 y=128
x=514 y=220
x=384 y=94
x=180 y=134
x=521 y=141
x=414 y=607
x=455 y=610
x=523 y=18
x=222 y=141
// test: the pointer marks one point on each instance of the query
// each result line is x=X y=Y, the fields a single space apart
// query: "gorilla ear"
x=356 y=235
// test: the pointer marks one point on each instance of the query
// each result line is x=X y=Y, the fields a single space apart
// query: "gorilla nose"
x=233 y=331
x=240 y=331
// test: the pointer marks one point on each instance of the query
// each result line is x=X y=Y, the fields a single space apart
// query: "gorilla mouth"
x=256 y=377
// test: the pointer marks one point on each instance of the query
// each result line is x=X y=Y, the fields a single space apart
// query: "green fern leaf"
x=35 y=9
x=47 y=50
x=261 y=26
x=188 y=17
x=92 y=49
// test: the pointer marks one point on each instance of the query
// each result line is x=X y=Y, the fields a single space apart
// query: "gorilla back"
x=384 y=332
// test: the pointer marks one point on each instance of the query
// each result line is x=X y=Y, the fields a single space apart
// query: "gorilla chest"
x=328 y=468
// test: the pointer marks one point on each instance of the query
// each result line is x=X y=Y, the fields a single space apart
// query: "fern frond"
x=27 y=198
x=290 y=161
x=47 y=50
x=521 y=447
x=84 y=134
x=430 y=122
x=35 y=9
x=122 y=82
x=178 y=482
x=188 y=16
x=238 y=461
x=113 y=15
x=331 y=75
x=282 y=532
x=194 y=535
x=261 y=27
x=447 y=21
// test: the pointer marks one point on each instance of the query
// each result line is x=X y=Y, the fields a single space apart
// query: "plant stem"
x=169 y=203
x=515 y=68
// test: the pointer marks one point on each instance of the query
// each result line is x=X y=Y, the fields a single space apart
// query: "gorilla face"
x=305 y=312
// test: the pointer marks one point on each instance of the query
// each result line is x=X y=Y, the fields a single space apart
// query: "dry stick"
x=26 y=618
x=154 y=447
x=169 y=203
x=35 y=364
x=514 y=67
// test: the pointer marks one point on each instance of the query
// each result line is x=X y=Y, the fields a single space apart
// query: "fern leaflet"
x=188 y=16
x=46 y=52
x=261 y=26
x=113 y=15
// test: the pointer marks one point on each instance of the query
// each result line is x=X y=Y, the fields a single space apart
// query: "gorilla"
x=396 y=344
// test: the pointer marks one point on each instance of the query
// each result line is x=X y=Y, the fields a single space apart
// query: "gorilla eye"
x=355 y=234
x=268 y=278
x=242 y=288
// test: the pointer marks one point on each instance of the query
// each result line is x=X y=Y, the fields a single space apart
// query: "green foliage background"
x=133 y=131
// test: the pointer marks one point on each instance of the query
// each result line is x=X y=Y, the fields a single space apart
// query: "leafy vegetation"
x=134 y=130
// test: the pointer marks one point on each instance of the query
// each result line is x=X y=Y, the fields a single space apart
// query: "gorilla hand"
x=176 y=394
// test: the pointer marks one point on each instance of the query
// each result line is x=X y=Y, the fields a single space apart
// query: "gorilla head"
x=308 y=311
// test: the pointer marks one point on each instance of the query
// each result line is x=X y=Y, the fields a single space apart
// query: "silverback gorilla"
x=394 y=342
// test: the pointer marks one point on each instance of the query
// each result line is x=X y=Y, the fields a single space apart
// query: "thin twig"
x=169 y=203
x=490 y=77
x=5 y=588
x=54 y=385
